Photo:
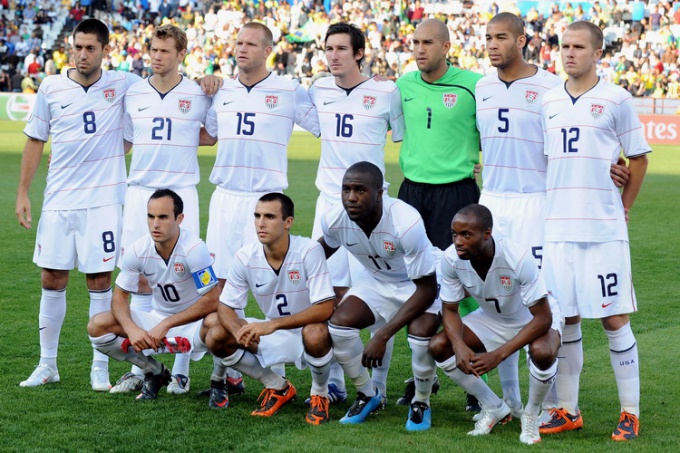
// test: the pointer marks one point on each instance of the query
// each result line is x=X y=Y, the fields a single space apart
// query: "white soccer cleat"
x=516 y=410
x=530 y=434
x=491 y=418
x=99 y=378
x=179 y=384
x=129 y=382
x=43 y=374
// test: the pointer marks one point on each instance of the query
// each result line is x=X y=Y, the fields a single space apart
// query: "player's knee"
x=55 y=280
x=316 y=338
x=542 y=354
x=96 y=327
x=424 y=326
x=217 y=338
x=440 y=347
x=98 y=282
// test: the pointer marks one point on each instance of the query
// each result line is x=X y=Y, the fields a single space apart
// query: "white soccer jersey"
x=511 y=134
x=178 y=283
x=397 y=249
x=354 y=127
x=164 y=130
x=512 y=284
x=253 y=126
x=86 y=124
x=583 y=137
x=301 y=282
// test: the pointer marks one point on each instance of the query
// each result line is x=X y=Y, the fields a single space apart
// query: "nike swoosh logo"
x=226 y=103
x=64 y=106
x=257 y=285
x=141 y=109
x=147 y=275
x=408 y=99
x=328 y=102
x=606 y=305
x=41 y=328
x=106 y=260
x=486 y=99
x=553 y=116
x=350 y=245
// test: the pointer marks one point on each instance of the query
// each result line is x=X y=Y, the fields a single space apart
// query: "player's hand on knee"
x=485 y=362
x=158 y=334
x=140 y=340
x=249 y=335
x=373 y=353
x=464 y=356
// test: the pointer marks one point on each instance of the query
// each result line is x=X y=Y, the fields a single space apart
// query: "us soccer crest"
x=369 y=102
x=110 y=95
x=389 y=247
x=531 y=96
x=271 y=101
x=596 y=110
x=184 y=105
x=450 y=100
x=506 y=282
x=294 y=276
x=179 y=269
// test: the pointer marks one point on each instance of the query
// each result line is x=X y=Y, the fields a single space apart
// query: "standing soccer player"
x=163 y=119
x=355 y=113
x=396 y=287
x=82 y=110
x=252 y=117
x=587 y=123
x=290 y=282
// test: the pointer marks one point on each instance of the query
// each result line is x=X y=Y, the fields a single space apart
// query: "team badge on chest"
x=450 y=100
x=294 y=276
x=369 y=102
x=506 y=282
x=389 y=247
x=110 y=95
x=531 y=96
x=184 y=105
x=596 y=110
x=179 y=269
x=271 y=101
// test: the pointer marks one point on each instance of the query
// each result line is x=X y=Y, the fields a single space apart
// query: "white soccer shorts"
x=338 y=264
x=281 y=346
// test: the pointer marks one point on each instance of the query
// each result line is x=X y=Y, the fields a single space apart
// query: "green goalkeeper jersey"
x=441 y=141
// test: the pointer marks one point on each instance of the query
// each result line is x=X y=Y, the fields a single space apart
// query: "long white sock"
x=424 y=368
x=508 y=372
x=348 y=349
x=219 y=370
x=471 y=384
x=570 y=356
x=623 y=353
x=110 y=344
x=337 y=377
x=181 y=365
x=250 y=366
x=320 y=368
x=141 y=302
x=379 y=374
x=540 y=383
x=50 y=320
x=100 y=301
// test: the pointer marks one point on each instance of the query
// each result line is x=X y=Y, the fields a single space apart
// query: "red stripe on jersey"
x=87 y=188
x=511 y=138
x=251 y=140
x=245 y=166
x=514 y=168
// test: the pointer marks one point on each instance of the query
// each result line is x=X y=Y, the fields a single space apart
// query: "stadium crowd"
x=641 y=37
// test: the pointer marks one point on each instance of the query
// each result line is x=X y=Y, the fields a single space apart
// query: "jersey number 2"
x=282 y=305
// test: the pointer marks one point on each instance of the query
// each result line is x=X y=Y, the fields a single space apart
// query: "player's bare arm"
x=127 y=146
x=200 y=309
x=230 y=321
x=421 y=299
x=328 y=250
x=638 y=167
x=29 y=164
x=120 y=309
x=317 y=313
x=205 y=139
x=536 y=328
x=453 y=328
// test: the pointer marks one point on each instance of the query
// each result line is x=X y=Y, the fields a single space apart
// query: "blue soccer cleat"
x=419 y=417
x=363 y=406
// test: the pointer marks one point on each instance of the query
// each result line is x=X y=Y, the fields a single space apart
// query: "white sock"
x=181 y=365
x=219 y=372
x=50 y=320
x=141 y=302
x=540 y=383
x=337 y=377
x=100 y=301
x=569 y=370
x=348 y=349
x=471 y=384
x=250 y=366
x=280 y=369
x=110 y=344
x=424 y=368
x=320 y=368
x=234 y=374
x=623 y=353
x=508 y=372
x=379 y=374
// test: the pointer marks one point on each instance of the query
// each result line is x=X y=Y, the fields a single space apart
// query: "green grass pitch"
x=70 y=417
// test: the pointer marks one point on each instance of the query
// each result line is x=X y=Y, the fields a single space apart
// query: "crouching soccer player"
x=513 y=312
x=291 y=284
x=178 y=266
